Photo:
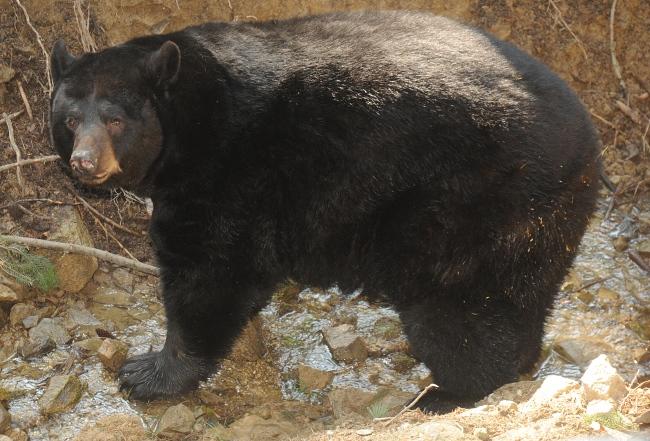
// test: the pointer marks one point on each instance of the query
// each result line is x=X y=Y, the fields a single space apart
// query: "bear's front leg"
x=206 y=310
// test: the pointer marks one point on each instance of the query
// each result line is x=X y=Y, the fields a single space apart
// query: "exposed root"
x=14 y=146
x=612 y=48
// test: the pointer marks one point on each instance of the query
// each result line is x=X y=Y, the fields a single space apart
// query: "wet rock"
x=441 y=430
x=176 y=420
x=423 y=380
x=518 y=392
x=601 y=381
x=5 y=438
x=387 y=328
x=599 y=407
x=29 y=349
x=76 y=317
x=401 y=362
x=74 y=270
x=581 y=350
x=19 y=312
x=113 y=296
x=311 y=379
x=621 y=243
x=124 y=279
x=344 y=317
x=607 y=296
x=63 y=393
x=257 y=428
x=552 y=387
x=113 y=318
x=585 y=296
x=112 y=354
x=345 y=344
x=5 y=419
x=90 y=344
x=250 y=345
x=49 y=329
x=30 y=321
x=350 y=404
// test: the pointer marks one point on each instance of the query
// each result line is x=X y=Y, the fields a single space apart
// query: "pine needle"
x=27 y=268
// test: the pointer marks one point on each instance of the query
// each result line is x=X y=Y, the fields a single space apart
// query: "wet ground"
x=603 y=308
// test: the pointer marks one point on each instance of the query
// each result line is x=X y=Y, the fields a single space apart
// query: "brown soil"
x=571 y=36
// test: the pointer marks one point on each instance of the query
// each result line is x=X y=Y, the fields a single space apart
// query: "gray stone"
x=114 y=296
x=310 y=378
x=5 y=419
x=257 y=428
x=581 y=350
x=33 y=348
x=345 y=344
x=518 y=392
x=112 y=354
x=77 y=317
x=176 y=420
x=74 y=270
x=50 y=329
x=63 y=393
x=123 y=278
x=552 y=387
x=30 y=321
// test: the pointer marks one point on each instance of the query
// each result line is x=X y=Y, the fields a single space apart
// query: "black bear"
x=440 y=169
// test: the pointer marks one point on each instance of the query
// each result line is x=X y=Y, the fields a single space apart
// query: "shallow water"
x=295 y=338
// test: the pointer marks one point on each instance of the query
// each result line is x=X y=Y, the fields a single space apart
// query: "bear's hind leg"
x=471 y=348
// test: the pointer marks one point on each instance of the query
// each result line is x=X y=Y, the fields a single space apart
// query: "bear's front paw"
x=159 y=375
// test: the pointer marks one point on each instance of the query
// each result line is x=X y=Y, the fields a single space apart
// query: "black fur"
x=439 y=168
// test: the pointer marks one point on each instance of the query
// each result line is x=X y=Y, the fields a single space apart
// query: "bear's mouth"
x=96 y=179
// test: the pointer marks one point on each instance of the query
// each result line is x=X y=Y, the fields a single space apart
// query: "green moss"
x=613 y=420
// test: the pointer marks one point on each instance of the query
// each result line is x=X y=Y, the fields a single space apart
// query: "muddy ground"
x=573 y=37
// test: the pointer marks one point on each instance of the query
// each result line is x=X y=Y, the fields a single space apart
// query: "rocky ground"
x=317 y=364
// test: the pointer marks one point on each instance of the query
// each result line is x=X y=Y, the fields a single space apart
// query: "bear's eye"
x=71 y=122
x=116 y=123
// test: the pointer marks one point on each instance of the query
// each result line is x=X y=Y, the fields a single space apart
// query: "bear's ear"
x=60 y=60
x=165 y=63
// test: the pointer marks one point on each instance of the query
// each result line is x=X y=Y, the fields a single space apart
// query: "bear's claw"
x=156 y=375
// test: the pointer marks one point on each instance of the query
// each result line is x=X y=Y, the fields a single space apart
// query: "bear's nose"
x=82 y=163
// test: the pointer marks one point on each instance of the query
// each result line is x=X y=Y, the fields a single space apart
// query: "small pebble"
x=481 y=433
x=365 y=432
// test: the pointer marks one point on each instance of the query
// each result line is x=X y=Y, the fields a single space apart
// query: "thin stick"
x=612 y=125
x=29 y=161
x=80 y=249
x=592 y=283
x=48 y=72
x=560 y=18
x=14 y=146
x=107 y=219
x=640 y=261
x=413 y=403
x=112 y=236
x=25 y=102
x=628 y=111
x=12 y=116
x=611 y=204
x=612 y=48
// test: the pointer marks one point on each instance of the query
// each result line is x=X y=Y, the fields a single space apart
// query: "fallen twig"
x=25 y=101
x=640 y=261
x=592 y=283
x=611 y=204
x=105 y=218
x=628 y=111
x=112 y=236
x=612 y=48
x=560 y=18
x=11 y=115
x=81 y=249
x=48 y=72
x=412 y=403
x=14 y=146
x=29 y=161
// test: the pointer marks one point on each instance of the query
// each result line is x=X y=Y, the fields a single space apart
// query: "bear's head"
x=105 y=116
